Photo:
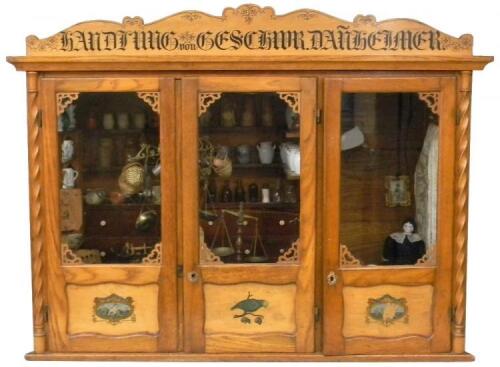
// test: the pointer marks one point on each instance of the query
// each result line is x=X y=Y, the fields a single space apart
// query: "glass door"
x=248 y=179
x=111 y=198
x=389 y=146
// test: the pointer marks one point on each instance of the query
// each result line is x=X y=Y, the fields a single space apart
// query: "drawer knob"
x=103 y=223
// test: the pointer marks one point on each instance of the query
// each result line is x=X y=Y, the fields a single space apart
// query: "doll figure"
x=404 y=248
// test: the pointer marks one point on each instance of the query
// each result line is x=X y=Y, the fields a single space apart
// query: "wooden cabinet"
x=288 y=187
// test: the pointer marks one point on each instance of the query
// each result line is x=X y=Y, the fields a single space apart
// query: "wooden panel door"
x=247 y=216
x=109 y=204
x=388 y=168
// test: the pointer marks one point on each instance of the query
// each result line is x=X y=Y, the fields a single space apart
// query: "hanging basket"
x=131 y=180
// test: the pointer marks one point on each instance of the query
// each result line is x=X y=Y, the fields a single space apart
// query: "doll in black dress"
x=404 y=248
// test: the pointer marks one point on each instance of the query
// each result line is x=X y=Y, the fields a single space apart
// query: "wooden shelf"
x=293 y=134
x=241 y=130
x=253 y=205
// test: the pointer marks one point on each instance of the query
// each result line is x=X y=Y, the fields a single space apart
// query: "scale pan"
x=256 y=259
x=208 y=215
x=223 y=251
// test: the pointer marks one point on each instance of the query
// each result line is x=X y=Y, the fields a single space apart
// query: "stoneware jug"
x=69 y=176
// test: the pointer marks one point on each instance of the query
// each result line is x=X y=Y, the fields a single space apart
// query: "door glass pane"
x=249 y=177
x=389 y=178
x=110 y=179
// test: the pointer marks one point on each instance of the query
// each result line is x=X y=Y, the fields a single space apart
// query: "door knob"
x=193 y=276
x=331 y=278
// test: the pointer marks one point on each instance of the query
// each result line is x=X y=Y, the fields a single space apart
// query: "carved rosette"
x=307 y=14
x=63 y=100
x=205 y=100
x=431 y=99
x=292 y=99
x=249 y=11
x=347 y=259
x=36 y=228
x=191 y=16
x=68 y=256
x=154 y=257
x=461 y=212
x=152 y=99
x=291 y=255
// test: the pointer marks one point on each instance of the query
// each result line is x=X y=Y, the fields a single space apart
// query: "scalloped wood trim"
x=154 y=257
x=63 y=100
x=347 y=259
x=68 y=256
x=291 y=255
x=205 y=100
x=292 y=99
x=303 y=31
x=152 y=99
x=431 y=99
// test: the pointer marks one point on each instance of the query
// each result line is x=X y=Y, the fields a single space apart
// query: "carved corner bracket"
x=206 y=255
x=429 y=258
x=154 y=257
x=292 y=99
x=63 y=100
x=431 y=99
x=347 y=259
x=291 y=255
x=205 y=100
x=68 y=256
x=152 y=99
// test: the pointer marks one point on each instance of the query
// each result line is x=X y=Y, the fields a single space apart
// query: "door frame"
x=302 y=273
x=59 y=275
x=439 y=275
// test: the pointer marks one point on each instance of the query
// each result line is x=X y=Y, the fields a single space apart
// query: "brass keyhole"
x=193 y=276
x=331 y=278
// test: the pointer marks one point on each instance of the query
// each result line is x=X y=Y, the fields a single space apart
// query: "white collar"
x=399 y=237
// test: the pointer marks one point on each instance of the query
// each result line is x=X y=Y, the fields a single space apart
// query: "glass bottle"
x=239 y=192
x=226 y=195
x=253 y=192
x=277 y=192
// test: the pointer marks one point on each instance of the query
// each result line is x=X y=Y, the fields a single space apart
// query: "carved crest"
x=251 y=30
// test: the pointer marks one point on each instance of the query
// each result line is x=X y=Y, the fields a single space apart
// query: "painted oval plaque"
x=113 y=309
x=387 y=310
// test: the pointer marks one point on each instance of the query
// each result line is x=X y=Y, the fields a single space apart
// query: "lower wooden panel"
x=244 y=343
x=406 y=345
x=388 y=311
x=83 y=319
x=247 y=357
x=250 y=317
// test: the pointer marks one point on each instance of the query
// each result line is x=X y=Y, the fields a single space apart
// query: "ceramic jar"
x=105 y=153
x=123 y=121
x=290 y=156
x=243 y=153
x=267 y=111
x=108 y=121
x=266 y=152
x=67 y=150
x=139 y=120
x=248 y=116
x=95 y=197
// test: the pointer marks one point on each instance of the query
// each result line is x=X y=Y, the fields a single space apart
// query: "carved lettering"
x=342 y=38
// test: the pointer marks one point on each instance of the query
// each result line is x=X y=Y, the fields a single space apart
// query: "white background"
x=45 y=17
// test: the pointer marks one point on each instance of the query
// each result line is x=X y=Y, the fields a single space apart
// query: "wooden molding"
x=249 y=30
x=291 y=99
x=205 y=100
x=154 y=257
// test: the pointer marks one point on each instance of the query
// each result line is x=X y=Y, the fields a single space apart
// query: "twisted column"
x=461 y=210
x=36 y=228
